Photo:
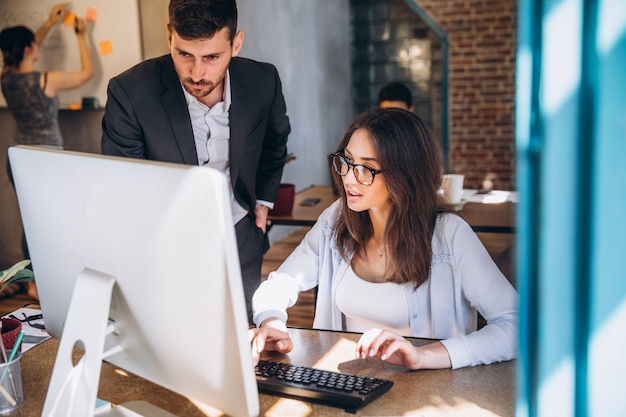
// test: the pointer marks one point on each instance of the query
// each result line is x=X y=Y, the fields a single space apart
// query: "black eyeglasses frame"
x=343 y=158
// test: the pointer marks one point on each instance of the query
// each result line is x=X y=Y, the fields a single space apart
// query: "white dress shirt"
x=211 y=130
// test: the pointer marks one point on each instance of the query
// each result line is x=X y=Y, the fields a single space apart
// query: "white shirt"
x=378 y=304
x=463 y=280
x=211 y=131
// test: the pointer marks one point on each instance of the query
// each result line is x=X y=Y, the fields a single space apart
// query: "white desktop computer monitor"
x=154 y=242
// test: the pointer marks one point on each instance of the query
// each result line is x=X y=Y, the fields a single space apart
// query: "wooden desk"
x=478 y=391
x=483 y=217
x=490 y=217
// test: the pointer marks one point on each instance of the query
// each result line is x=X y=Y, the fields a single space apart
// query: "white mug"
x=452 y=185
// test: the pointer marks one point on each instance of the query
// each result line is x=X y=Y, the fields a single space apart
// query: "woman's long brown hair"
x=410 y=159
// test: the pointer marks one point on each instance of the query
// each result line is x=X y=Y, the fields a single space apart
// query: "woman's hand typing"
x=395 y=349
x=271 y=336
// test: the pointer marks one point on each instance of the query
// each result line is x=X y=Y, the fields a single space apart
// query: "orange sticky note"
x=91 y=15
x=69 y=19
x=106 y=47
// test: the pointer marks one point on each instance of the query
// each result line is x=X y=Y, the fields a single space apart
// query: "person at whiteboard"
x=202 y=105
x=31 y=95
x=389 y=261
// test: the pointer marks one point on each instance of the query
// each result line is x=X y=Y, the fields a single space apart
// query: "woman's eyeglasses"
x=363 y=174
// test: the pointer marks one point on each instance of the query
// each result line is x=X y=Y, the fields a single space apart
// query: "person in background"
x=31 y=95
x=202 y=105
x=388 y=261
x=395 y=94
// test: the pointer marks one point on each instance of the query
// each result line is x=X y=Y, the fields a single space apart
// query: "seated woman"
x=390 y=262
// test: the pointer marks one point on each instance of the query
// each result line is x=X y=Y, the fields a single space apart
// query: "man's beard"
x=210 y=86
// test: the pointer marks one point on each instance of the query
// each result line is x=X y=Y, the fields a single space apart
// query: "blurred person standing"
x=395 y=94
x=31 y=95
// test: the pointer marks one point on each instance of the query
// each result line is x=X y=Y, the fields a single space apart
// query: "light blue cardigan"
x=464 y=279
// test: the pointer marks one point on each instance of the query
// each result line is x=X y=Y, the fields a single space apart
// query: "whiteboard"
x=114 y=40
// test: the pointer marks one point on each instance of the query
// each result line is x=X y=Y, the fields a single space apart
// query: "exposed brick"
x=482 y=40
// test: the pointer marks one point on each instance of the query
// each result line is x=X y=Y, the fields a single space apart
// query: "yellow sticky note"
x=69 y=19
x=106 y=47
x=91 y=15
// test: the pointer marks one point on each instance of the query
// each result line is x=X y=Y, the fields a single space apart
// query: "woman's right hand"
x=393 y=348
x=57 y=13
x=271 y=336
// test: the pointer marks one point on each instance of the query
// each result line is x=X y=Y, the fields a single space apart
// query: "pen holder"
x=11 y=390
x=10 y=329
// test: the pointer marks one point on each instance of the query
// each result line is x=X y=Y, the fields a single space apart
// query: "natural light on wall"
x=613 y=27
x=605 y=350
x=560 y=88
x=571 y=143
x=561 y=58
x=607 y=363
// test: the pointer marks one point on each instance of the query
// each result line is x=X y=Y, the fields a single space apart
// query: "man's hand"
x=260 y=215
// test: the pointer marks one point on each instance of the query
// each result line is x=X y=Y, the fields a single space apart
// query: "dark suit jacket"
x=146 y=117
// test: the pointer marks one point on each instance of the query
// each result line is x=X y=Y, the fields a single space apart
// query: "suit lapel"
x=238 y=119
x=176 y=110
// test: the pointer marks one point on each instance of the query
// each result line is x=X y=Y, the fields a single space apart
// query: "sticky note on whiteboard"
x=69 y=19
x=91 y=14
x=106 y=47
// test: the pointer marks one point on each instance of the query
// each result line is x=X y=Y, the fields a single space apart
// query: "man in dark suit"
x=202 y=105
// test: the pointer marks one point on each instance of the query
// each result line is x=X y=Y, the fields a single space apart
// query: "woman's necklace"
x=380 y=248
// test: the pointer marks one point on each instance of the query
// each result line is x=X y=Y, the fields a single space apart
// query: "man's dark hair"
x=395 y=91
x=202 y=19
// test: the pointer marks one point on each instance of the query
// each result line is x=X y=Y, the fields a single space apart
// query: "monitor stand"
x=73 y=388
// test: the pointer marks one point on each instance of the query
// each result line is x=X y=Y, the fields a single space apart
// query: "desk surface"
x=488 y=217
x=478 y=391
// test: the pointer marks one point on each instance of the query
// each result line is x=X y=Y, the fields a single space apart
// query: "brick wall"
x=482 y=38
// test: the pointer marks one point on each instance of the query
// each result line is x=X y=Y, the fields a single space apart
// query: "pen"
x=2 y=348
x=14 y=351
x=4 y=392
x=16 y=346
x=6 y=395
